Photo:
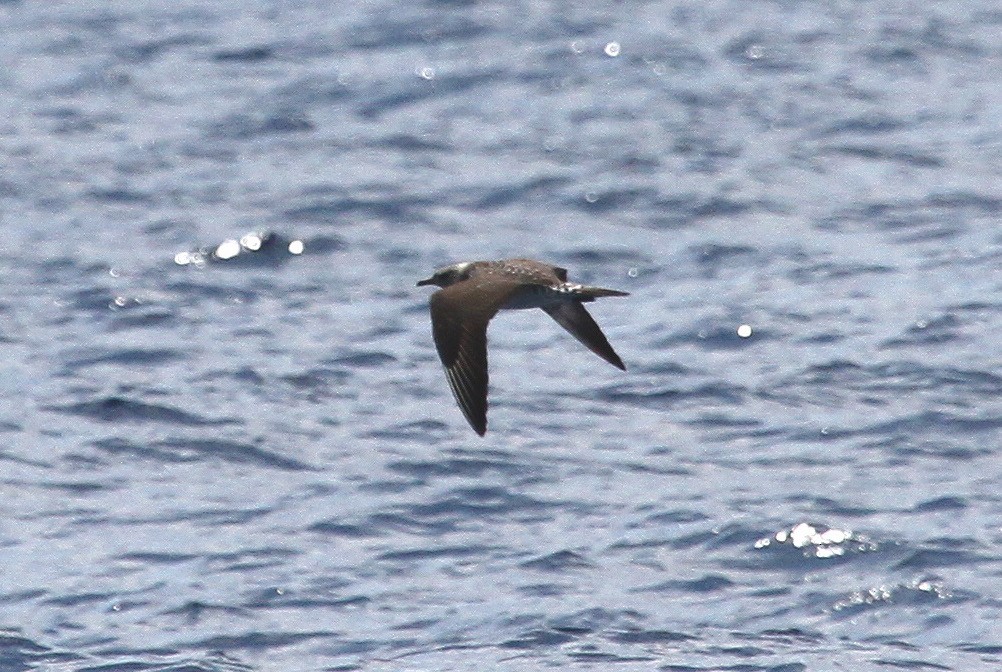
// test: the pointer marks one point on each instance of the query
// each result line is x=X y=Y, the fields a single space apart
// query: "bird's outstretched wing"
x=459 y=317
x=575 y=319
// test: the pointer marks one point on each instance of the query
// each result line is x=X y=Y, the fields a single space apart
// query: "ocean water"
x=219 y=455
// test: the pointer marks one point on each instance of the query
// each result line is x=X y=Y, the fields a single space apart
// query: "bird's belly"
x=537 y=297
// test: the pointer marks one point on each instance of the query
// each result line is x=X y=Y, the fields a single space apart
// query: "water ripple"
x=196 y=450
x=121 y=409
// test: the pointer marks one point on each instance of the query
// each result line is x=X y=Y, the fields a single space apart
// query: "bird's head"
x=449 y=275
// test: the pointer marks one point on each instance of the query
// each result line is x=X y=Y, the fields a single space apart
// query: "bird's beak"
x=422 y=283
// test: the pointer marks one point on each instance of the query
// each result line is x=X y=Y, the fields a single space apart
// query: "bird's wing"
x=573 y=317
x=459 y=317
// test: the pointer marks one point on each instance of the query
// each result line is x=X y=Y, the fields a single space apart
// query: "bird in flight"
x=474 y=291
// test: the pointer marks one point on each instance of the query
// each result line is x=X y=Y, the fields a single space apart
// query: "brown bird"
x=474 y=291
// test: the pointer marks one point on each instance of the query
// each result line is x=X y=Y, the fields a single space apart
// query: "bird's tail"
x=592 y=293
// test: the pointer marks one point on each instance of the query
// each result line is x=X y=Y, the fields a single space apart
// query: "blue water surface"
x=227 y=444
